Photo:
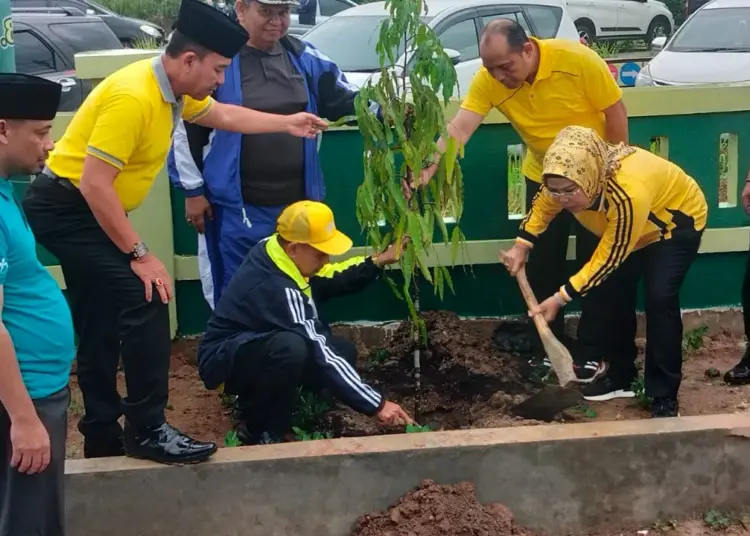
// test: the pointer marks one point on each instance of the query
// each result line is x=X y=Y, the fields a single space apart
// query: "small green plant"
x=169 y=406
x=145 y=43
x=378 y=357
x=692 y=340
x=303 y=435
x=717 y=520
x=231 y=439
x=417 y=429
x=310 y=409
x=585 y=410
x=639 y=388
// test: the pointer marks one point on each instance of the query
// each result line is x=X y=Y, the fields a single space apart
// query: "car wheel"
x=659 y=27
x=586 y=32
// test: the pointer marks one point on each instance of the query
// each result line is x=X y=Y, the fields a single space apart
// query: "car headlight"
x=644 y=78
x=150 y=30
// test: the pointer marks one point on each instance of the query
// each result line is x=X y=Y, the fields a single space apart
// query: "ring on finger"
x=159 y=282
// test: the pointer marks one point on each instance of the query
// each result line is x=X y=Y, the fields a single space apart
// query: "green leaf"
x=455 y=242
x=394 y=288
x=398 y=195
x=448 y=278
x=450 y=158
x=342 y=121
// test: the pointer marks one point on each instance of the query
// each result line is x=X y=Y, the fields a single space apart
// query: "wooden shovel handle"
x=559 y=356
x=531 y=302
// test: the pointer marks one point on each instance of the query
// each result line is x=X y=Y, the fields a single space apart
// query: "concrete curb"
x=556 y=478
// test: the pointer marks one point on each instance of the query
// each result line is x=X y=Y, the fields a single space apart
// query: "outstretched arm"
x=247 y=121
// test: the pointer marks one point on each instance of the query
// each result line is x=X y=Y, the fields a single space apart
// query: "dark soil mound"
x=434 y=510
x=466 y=380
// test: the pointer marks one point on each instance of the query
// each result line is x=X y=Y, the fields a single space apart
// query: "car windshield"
x=715 y=30
x=350 y=41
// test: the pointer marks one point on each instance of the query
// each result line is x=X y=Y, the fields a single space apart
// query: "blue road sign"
x=628 y=72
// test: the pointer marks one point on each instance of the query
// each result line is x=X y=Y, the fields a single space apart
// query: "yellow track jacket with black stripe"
x=649 y=199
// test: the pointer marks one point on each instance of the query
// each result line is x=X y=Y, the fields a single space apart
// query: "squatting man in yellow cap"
x=264 y=338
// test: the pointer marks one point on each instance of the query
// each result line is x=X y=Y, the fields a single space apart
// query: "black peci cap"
x=23 y=96
x=211 y=28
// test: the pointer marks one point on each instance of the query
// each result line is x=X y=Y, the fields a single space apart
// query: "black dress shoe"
x=665 y=407
x=166 y=444
x=103 y=449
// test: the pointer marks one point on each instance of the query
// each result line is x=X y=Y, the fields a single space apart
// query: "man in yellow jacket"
x=650 y=216
x=541 y=86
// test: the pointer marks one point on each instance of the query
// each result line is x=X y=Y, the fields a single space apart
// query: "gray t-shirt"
x=271 y=165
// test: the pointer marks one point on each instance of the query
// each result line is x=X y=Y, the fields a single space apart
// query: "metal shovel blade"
x=547 y=403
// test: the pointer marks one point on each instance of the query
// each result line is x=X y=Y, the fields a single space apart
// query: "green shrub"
x=161 y=12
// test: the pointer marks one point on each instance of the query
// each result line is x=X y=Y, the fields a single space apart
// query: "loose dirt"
x=453 y=510
x=435 y=510
x=467 y=383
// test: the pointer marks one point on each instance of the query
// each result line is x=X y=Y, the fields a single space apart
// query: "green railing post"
x=7 y=52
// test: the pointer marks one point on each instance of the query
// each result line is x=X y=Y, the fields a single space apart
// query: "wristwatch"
x=139 y=251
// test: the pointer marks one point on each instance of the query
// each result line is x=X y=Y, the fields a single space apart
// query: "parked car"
x=605 y=20
x=128 y=30
x=46 y=41
x=324 y=10
x=349 y=37
x=712 y=46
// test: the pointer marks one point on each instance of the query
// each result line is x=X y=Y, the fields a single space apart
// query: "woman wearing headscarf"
x=650 y=216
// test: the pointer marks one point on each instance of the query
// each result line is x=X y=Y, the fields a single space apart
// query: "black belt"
x=62 y=181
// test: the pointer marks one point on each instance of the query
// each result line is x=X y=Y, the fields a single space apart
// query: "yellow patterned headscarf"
x=581 y=156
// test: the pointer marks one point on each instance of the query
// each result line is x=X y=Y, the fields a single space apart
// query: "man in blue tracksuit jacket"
x=243 y=182
x=264 y=339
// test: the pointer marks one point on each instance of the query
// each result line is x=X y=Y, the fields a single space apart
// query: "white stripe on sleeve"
x=344 y=369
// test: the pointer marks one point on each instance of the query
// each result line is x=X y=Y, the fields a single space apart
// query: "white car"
x=601 y=20
x=711 y=47
x=349 y=37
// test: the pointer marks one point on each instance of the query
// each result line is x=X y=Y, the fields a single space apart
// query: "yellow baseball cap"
x=311 y=222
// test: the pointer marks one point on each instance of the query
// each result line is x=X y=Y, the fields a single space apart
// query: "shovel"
x=552 y=399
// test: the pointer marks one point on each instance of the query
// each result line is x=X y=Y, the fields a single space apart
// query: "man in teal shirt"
x=36 y=332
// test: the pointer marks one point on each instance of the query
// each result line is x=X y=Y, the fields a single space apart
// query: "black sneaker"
x=540 y=369
x=589 y=371
x=740 y=373
x=605 y=389
x=665 y=407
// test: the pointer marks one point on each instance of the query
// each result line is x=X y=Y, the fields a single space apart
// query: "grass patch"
x=718 y=520
x=692 y=340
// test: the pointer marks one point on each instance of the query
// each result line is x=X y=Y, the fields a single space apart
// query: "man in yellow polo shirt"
x=102 y=168
x=541 y=86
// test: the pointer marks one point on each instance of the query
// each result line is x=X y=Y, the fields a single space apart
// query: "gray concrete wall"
x=556 y=478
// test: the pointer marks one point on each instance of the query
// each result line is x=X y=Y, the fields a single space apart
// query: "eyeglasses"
x=564 y=193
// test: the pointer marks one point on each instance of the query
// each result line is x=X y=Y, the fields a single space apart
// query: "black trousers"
x=547 y=267
x=746 y=297
x=33 y=505
x=268 y=373
x=110 y=314
x=608 y=328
